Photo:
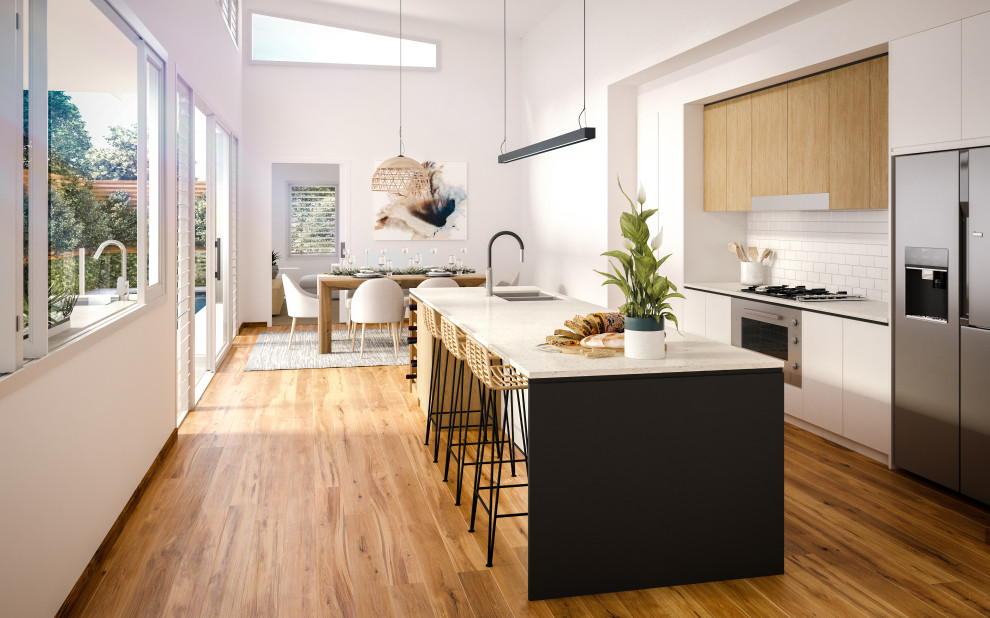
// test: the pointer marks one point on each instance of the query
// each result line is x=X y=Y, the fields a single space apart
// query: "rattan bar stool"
x=435 y=405
x=498 y=381
x=459 y=420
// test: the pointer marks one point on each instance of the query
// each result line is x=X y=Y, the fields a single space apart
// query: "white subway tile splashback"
x=846 y=250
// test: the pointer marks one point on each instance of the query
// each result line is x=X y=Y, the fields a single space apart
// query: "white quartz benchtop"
x=869 y=310
x=513 y=330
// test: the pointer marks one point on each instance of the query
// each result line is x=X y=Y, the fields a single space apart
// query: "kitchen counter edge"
x=872 y=311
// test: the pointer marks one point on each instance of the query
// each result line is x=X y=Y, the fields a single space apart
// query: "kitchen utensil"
x=740 y=253
x=766 y=255
x=753 y=253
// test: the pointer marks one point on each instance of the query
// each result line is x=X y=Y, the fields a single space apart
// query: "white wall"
x=282 y=174
x=82 y=426
x=349 y=116
x=692 y=53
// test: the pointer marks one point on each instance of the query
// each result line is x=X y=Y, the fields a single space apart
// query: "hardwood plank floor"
x=310 y=493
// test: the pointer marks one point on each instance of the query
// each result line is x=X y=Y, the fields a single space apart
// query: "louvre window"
x=229 y=11
x=312 y=219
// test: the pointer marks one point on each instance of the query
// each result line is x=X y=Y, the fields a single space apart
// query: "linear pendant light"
x=582 y=134
x=400 y=174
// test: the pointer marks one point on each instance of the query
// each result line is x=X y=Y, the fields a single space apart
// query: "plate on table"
x=367 y=275
x=442 y=273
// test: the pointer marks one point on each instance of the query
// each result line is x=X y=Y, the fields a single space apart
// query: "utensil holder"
x=752 y=273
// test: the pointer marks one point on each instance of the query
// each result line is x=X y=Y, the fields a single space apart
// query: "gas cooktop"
x=800 y=293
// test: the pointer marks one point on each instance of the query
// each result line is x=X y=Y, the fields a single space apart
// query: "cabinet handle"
x=772 y=316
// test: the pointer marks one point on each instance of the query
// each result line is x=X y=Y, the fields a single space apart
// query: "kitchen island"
x=641 y=473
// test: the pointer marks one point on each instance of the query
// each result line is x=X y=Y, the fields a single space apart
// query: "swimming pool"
x=199 y=300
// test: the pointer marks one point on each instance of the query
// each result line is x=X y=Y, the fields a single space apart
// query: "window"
x=91 y=160
x=275 y=39
x=229 y=11
x=312 y=219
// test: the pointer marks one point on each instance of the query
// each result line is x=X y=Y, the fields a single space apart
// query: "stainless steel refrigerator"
x=941 y=318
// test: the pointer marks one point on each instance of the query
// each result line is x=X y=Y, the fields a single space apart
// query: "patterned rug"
x=271 y=352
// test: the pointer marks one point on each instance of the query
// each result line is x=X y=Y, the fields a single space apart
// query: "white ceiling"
x=486 y=15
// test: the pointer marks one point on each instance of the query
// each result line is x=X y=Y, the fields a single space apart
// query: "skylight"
x=275 y=39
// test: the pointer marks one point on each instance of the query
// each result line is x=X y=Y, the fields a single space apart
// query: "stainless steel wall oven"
x=770 y=329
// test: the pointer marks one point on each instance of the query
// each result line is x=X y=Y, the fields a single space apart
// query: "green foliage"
x=65 y=230
x=645 y=289
x=122 y=218
x=68 y=139
x=118 y=161
x=199 y=221
x=61 y=295
x=275 y=257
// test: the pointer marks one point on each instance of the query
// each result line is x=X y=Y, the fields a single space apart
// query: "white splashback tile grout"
x=837 y=249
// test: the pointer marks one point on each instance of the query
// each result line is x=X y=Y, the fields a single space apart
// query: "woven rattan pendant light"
x=400 y=174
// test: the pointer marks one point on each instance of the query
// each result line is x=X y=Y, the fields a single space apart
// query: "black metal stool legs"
x=503 y=447
x=434 y=379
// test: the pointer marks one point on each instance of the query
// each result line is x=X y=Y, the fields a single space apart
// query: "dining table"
x=327 y=283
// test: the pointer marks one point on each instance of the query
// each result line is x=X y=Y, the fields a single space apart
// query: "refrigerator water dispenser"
x=926 y=283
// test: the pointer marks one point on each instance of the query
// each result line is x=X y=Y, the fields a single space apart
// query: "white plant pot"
x=645 y=344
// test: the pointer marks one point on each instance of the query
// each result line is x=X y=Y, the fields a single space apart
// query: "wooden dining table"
x=326 y=284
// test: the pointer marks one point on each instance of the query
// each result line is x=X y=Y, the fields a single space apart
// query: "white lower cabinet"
x=846 y=379
x=707 y=315
x=693 y=320
x=718 y=318
x=821 y=376
x=866 y=384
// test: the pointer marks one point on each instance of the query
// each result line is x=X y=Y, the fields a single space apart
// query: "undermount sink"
x=518 y=297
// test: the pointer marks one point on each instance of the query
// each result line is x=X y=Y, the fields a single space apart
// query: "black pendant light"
x=400 y=174
x=581 y=134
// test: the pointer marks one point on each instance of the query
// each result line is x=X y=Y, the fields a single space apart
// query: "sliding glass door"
x=221 y=242
x=212 y=188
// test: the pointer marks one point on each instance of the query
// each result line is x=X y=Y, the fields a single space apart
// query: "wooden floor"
x=310 y=493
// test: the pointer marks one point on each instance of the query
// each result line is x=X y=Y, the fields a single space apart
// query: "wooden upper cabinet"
x=879 y=131
x=808 y=135
x=715 y=157
x=738 y=153
x=826 y=133
x=849 y=116
x=770 y=141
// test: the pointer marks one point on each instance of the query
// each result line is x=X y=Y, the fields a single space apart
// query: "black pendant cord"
x=505 y=81
x=584 y=60
x=402 y=145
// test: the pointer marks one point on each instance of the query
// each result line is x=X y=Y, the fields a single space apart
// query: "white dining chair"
x=299 y=304
x=378 y=301
x=436 y=282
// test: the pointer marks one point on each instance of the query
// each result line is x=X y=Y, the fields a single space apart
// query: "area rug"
x=271 y=352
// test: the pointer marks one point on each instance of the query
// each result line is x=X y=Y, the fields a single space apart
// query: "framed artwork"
x=436 y=213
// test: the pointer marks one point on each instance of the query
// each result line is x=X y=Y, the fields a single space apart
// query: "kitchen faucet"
x=489 y=281
x=123 y=286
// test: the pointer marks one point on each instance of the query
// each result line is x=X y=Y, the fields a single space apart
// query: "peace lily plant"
x=647 y=292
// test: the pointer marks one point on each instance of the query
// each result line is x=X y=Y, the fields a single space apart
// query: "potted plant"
x=275 y=258
x=60 y=306
x=647 y=292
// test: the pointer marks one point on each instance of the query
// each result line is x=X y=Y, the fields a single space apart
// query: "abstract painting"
x=435 y=213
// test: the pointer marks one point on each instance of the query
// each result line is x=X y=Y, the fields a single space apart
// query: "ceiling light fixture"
x=400 y=174
x=581 y=134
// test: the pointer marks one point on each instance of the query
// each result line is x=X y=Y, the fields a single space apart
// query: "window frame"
x=35 y=346
x=11 y=185
x=249 y=46
x=336 y=219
